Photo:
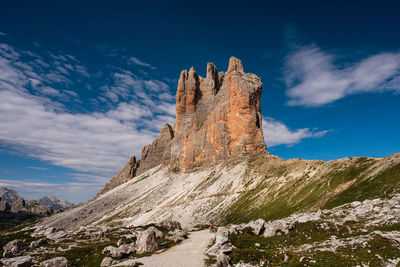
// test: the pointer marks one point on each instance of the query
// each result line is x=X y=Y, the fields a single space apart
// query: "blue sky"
x=84 y=85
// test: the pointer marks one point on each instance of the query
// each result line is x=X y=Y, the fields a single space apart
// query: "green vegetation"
x=384 y=185
x=299 y=195
x=282 y=250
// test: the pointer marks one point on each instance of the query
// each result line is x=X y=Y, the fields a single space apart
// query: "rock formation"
x=127 y=173
x=218 y=118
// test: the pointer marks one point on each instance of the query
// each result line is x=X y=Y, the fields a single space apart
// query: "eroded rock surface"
x=127 y=173
x=217 y=118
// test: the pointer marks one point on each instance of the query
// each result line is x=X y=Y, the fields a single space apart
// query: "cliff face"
x=218 y=118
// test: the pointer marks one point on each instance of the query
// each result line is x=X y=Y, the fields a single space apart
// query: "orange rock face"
x=218 y=118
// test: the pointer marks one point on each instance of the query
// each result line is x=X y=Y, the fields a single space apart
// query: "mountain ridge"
x=217 y=118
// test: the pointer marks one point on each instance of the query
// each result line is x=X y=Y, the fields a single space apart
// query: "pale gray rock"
x=113 y=252
x=22 y=261
x=258 y=226
x=37 y=243
x=170 y=225
x=146 y=242
x=176 y=235
x=57 y=235
x=55 y=262
x=275 y=227
x=159 y=234
x=107 y=261
x=222 y=244
x=350 y=218
x=222 y=260
x=14 y=248
x=120 y=242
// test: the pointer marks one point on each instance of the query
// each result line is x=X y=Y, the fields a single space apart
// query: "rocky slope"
x=265 y=187
x=356 y=234
x=218 y=119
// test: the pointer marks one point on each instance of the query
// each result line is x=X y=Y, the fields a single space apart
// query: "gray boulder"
x=146 y=242
x=55 y=262
x=22 y=261
x=222 y=244
x=258 y=226
x=107 y=261
x=176 y=235
x=14 y=248
x=123 y=250
x=159 y=234
x=113 y=252
x=37 y=243
x=222 y=260
x=277 y=227
x=170 y=225
x=55 y=234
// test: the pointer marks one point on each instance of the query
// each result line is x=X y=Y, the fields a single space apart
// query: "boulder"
x=14 y=248
x=222 y=260
x=176 y=235
x=120 y=242
x=146 y=242
x=159 y=234
x=107 y=261
x=113 y=252
x=22 y=261
x=258 y=226
x=222 y=244
x=275 y=227
x=55 y=262
x=57 y=235
x=37 y=243
x=170 y=225
x=222 y=236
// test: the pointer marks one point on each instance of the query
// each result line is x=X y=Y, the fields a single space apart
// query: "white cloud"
x=95 y=142
x=276 y=133
x=313 y=79
x=136 y=61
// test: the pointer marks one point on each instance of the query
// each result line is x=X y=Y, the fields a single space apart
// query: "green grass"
x=289 y=199
x=384 y=185
x=272 y=250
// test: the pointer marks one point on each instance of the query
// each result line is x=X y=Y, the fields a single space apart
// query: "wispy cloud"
x=100 y=142
x=37 y=168
x=136 y=61
x=314 y=78
x=276 y=133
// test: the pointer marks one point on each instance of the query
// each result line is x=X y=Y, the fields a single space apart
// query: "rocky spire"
x=218 y=118
x=235 y=64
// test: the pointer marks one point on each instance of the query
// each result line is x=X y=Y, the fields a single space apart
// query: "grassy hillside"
x=290 y=186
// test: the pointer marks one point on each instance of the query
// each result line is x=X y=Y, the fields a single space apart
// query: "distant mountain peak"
x=9 y=194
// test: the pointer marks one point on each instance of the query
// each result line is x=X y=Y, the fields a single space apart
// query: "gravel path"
x=189 y=253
